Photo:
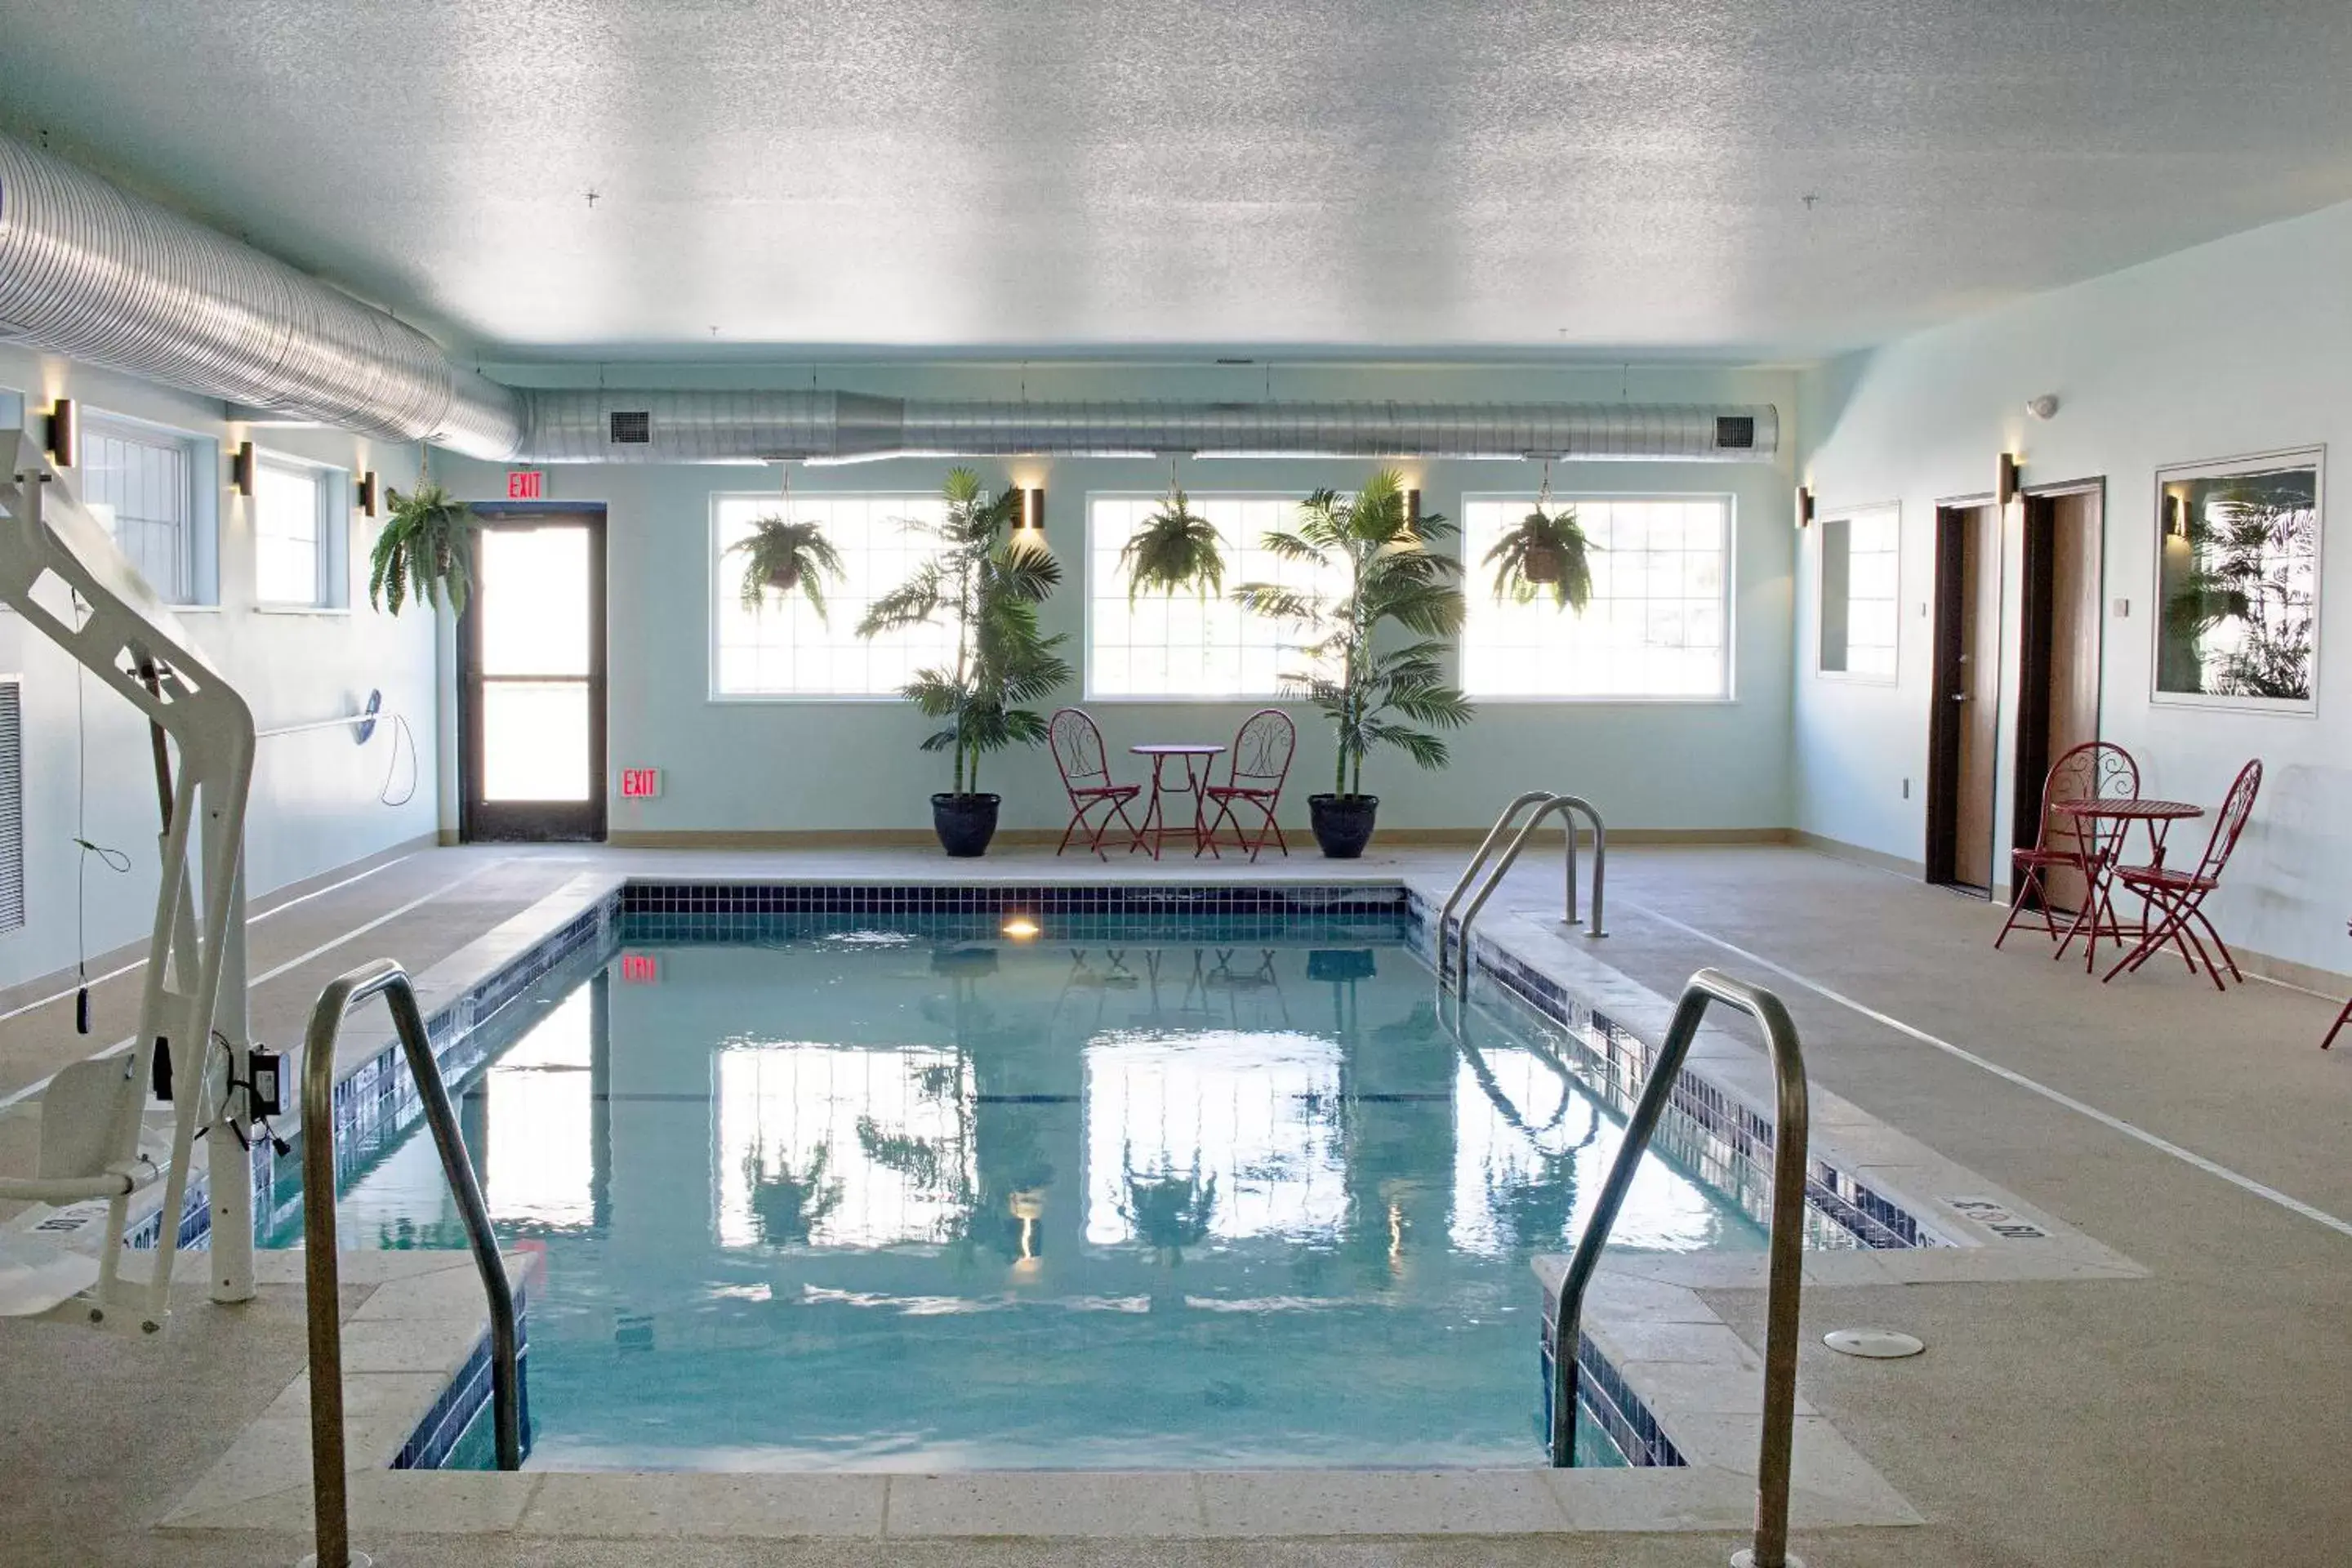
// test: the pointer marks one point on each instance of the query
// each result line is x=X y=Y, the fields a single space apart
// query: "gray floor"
x=2195 y=1417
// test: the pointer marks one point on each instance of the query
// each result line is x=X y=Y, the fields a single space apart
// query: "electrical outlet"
x=2123 y=609
x=1907 y=789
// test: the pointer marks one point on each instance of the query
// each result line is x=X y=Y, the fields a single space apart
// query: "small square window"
x=1861 y=560
x=300 y=526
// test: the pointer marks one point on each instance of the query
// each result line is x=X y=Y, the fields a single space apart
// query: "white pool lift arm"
x=92 y=1114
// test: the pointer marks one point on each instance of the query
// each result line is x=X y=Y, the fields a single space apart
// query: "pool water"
x=908 y=1199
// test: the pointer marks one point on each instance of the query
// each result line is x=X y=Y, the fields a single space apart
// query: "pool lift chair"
x=63 y=573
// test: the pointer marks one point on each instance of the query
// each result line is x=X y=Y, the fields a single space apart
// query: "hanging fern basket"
x=784 y=576
x=1540 y=563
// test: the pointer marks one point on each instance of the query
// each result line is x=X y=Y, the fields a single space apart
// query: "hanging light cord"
x=113 y=859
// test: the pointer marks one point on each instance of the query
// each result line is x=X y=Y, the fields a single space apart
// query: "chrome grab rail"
x=383 y=977
x=1564 y=805
x=1791 y=1139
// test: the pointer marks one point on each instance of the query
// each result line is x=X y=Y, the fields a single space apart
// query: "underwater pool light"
x=1021 y=928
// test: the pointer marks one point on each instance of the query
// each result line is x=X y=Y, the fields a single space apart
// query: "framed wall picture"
x=2237 y=582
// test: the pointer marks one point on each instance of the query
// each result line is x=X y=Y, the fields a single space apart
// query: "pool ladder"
x=383 y=976
x=1546 y=804
x=1792 y=1141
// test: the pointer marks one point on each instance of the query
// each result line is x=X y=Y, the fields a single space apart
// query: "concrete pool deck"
x=2194 y=1412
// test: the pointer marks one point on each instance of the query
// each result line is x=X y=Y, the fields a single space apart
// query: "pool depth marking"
x=2058 y=1097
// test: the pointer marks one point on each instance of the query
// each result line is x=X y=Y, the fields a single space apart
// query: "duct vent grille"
x=12 y=804
x=1735 y=431
x=635 y=428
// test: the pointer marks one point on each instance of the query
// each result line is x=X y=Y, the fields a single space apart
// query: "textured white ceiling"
x=957 y=175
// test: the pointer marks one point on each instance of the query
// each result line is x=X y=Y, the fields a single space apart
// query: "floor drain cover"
x=1878 y=1345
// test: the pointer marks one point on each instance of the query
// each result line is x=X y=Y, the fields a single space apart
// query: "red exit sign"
x=640 y=784
x=527 y=484
x=640 y=969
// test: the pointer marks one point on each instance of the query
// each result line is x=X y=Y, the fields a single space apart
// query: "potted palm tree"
x=1176 y=550
x=983 y=584
x=780 y=557
x=1545 y=554
x=425 y=550
x=1372 y=694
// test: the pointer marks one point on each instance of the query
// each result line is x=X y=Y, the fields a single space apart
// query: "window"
x=1656 y=627
x=12 y=804
x=1181 y=646
x=783 y=648
x=299 y=525
x=1859 y=583
x=153 y=490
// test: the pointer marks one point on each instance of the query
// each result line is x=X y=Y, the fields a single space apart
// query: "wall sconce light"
x=367 y=493
x=2175 y=516
x=65 y=432
x=1413 y=506
x=1030 y=517
x=2004 y=488
x=241 y=468
x=1804 y=506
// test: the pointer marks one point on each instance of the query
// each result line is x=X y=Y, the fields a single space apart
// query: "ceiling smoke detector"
x=2043 y=406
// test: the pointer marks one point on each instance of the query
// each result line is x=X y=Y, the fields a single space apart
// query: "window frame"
x=204 y=499
x=330 y=501
x=1474 y=583
x=1847 y=514
x=1088 y=693
x=715 y=577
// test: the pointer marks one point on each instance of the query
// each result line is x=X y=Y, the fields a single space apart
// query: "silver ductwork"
x=90 y=271
x=653 y=426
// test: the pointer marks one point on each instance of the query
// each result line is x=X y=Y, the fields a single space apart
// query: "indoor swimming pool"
x=1136 y=1188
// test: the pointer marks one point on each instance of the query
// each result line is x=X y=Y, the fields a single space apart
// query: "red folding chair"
x=2176 y=899
x=2087 y=771
x=1261 y=762
x=2341 y=1018
x=1085 y=774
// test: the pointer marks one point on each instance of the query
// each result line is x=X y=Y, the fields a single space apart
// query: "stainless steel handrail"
x=1790 y=1138
x=1563 y=805
x=1485 y=848
x=384 y=977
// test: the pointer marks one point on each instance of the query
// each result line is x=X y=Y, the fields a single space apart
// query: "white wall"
x=2234 y=347
x=315 y=797
x=754 y=767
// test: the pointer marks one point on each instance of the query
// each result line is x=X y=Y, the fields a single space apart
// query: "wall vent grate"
x=1735 y=431
x=12 y=804
x=632 y=428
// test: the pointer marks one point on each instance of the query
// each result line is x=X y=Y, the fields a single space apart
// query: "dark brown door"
x=2058 y=678
x=532 y=679
x=1964 y=736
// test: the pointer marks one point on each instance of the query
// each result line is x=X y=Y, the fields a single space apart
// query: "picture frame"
x=2236 y=617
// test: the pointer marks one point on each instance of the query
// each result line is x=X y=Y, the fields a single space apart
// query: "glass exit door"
x=531 y=689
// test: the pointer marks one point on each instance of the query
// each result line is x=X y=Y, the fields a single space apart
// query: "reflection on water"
x=873 y=1204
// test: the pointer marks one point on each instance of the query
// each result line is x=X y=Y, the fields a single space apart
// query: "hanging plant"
x=779 y=557
x=1177 y=550
x=424 y=552
x=1546 y=554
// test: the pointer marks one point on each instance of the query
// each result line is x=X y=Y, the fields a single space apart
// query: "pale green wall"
x=800 y=765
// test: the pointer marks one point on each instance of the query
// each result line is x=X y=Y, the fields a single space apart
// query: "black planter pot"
x=965 y=823
x=1343 y=823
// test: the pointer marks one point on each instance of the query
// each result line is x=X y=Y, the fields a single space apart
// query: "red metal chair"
x=2341 y=1019
x=1085 y=774
x=2086 y=771
x=1261 y=762
x=2176 y=899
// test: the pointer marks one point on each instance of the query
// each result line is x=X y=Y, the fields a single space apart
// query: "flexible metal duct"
x=653 y=426
x=90 y=271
